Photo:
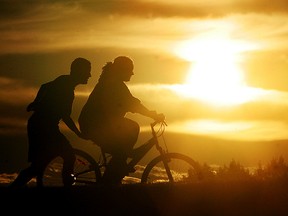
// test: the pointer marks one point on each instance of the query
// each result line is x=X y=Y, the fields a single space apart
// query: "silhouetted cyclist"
x=53 y=103
x=103 y=120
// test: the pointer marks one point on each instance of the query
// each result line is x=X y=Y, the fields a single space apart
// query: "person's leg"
x=24 y=177
x=36 y=169
x=128 y=141
x=39 y=178
x=68 y=155
x=116 y=170
x=41 y=168
x=118 y=140
x=130 y=133
x=120 y=147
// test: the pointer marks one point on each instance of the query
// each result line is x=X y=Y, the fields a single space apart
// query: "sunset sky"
x=214 y=68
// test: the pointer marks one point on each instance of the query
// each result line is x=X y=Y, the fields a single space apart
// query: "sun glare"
x=215 y=75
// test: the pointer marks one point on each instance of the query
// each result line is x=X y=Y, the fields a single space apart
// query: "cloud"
x=6 y=178
x=233 y=130
x=14 y=97
x=138 y=8
x=271 y=106
x=241 y=122
x=22 y=9
x=43 y=28
x=14 y=92
x=37 y=26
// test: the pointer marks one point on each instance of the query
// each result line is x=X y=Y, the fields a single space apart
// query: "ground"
x=243 y=198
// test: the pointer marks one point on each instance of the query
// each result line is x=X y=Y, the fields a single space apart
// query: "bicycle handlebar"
x=157 y=122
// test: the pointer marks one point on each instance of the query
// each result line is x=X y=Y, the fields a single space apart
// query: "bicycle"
x=165 y=168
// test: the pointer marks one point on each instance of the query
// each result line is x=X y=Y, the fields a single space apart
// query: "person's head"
x=123 y=67
x=80 y=70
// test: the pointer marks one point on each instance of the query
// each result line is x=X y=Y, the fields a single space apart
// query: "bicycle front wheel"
x=178 y=168
x=86 y=171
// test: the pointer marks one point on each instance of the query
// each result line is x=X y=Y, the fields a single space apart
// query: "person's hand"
x=30 y=107
x=159 y=117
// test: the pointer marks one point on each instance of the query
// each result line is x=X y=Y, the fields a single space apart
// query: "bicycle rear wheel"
x=86 y=171
x=182 y=168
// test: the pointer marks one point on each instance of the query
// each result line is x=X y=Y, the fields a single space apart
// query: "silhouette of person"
x=103 y=120
x=53 y=103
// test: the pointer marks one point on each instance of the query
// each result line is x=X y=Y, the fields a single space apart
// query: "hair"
x=106 y=72
x=109 y=67
x=118 y=63
x=78 y=64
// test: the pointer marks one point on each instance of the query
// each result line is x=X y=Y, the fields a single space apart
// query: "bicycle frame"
x=139 y=152
x=143 y=149
x=175 y=167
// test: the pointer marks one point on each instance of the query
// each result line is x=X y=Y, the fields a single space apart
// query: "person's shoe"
x=131 y=169
x=111 y=179
x=128 y=169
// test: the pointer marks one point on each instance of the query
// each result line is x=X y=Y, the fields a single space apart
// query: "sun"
x=215 y=75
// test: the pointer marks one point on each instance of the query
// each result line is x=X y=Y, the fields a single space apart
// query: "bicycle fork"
x=165 y=161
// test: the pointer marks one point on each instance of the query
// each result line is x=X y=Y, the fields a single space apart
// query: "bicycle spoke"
x=86 y=171
x=52 y=175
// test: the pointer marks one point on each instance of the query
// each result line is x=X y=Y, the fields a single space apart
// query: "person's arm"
x=72 y=126
x=141 y=109
x=134 y=105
